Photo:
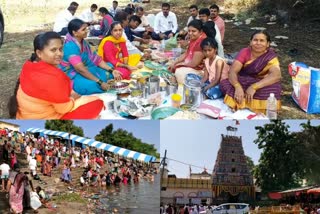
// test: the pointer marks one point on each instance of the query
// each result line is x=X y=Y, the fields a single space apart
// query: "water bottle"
x=272 y=107
x=162 y=46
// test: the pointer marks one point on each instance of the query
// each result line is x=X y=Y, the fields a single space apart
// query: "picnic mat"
x=225 y=112
x=151 y=67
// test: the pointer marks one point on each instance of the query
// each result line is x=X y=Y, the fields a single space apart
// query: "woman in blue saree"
x=88 y=72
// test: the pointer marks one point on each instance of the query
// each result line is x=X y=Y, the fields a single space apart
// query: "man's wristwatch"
x=99 y=82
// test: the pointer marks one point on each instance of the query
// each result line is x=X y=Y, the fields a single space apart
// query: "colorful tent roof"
x=314 y=190
x=274 y=195
x=97 y=144
x=296 y=190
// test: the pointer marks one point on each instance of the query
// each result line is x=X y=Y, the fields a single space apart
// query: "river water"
x=141 y=198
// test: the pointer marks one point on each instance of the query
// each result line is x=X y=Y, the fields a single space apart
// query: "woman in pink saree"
x=16 y=186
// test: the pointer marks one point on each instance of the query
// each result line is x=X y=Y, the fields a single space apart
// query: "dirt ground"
x=303 y=36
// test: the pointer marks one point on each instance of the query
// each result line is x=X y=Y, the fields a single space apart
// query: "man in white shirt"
x=10 y=135
x=62 y=20
x=4 y=172
x=88 y=14
x=114 y=9
x=33 y=166
x=165 y=24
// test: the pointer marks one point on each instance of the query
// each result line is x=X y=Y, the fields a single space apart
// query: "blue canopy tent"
x=97 y=144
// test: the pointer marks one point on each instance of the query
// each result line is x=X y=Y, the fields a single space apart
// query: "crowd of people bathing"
x=52 y=83
x=100 y=169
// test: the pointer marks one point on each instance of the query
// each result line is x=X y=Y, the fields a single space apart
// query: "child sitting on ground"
x=44 y=198
x=215 y=70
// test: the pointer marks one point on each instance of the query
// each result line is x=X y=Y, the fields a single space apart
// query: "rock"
x=281 y=37
x=237 y=23
x=248 y=21
x=258 y=28
x=273 y=18
x=56 y=180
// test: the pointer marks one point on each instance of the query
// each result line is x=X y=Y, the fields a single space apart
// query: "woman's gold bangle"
x=237 y=85
x=255 y=86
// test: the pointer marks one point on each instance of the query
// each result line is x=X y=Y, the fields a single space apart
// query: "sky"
x=197 y=142
x=146 y=130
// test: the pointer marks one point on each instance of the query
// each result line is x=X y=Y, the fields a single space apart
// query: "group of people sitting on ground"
x=66 y=71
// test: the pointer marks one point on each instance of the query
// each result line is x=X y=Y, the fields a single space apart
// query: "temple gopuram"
x=231 y=178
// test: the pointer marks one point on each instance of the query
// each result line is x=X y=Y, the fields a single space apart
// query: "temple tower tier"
x=232 y=180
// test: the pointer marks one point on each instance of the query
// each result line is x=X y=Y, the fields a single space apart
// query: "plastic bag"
x=35 y=202
x=171 y=43
x=306 y=86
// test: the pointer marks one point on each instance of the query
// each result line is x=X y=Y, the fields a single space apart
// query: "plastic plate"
x=161 y=72
x=153 y=65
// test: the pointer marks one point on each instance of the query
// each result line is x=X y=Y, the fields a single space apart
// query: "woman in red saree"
x=191 y=60
x=254 y=74
x=13 y=158
x=43 y=91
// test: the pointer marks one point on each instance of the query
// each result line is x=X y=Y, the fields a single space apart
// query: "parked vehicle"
x=231 y=208
x=1 y=27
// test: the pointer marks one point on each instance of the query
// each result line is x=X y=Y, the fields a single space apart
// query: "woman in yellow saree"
x=113 y=49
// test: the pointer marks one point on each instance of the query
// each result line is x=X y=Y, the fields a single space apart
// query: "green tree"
x=280 y=164
x=310 y=151
x=64 y=126
x=250 y=164
x=105 y=134
x=125 y=139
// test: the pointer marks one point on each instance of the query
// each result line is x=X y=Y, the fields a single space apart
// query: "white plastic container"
x=162 y=45
x=272 y=107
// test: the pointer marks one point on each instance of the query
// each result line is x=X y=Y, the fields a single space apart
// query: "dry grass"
x=26 y=15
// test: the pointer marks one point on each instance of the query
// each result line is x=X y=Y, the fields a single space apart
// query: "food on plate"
x=155 y=99
x=120 y=85
x=184 y=115
x=185 y=107
x=136 y=93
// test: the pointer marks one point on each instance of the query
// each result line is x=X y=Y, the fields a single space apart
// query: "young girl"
x=215 y=69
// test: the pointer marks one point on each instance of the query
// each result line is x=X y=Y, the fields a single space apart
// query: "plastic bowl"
x=163 y=112
x=186 y=107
